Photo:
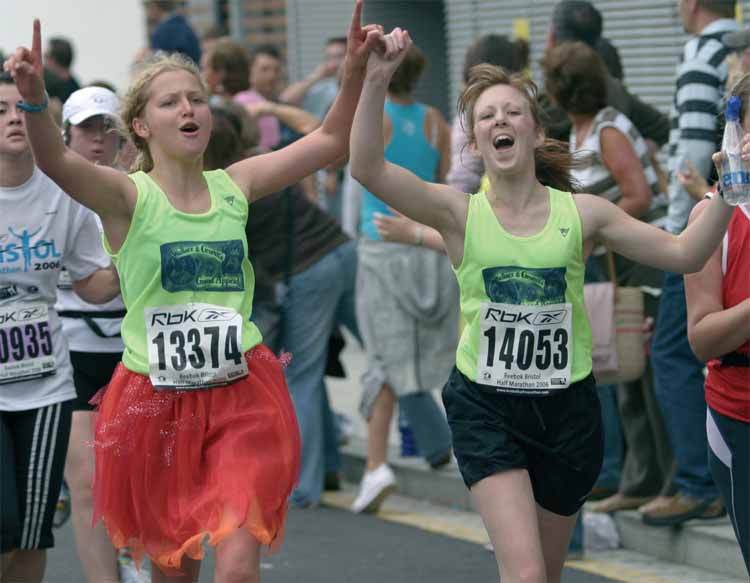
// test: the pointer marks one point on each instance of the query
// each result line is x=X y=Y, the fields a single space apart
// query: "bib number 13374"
x=194 y=346
x=525 y=348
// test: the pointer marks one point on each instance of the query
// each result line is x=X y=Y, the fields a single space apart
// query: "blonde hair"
x=138 y=94
x=553 y=159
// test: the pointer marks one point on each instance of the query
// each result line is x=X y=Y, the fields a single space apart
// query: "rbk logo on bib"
x=194 y=346
x=525 y=330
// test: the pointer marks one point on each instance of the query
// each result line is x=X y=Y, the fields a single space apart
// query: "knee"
x=530 y=573
x=238 y=572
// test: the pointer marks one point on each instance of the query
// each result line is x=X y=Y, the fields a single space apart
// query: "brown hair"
x=138 y=95
x=225 y=146
x=576 y=77
x=230 y=58
x=724 y=8
x=405 y=78
x=553 y=158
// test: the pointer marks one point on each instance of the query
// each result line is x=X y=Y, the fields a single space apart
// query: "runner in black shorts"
x=40 y=229
x=521 y=403
x=92 y=128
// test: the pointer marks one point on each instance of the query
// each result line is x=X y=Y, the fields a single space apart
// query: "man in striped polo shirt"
x=678 y=374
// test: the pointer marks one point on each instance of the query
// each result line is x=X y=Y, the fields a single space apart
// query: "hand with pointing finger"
x=360 y=41
x=25 y=66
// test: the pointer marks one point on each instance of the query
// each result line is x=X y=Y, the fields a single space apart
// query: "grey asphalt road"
x=329 y=545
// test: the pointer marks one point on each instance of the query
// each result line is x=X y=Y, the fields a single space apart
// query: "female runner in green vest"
x=521 y=401
x=175 y=465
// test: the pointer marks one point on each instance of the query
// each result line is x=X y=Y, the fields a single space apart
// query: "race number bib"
x=525 y=348
x=26 y=350
x=194 y=346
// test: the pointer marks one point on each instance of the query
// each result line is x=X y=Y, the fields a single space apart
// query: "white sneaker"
x=129 y=573
x=375 y=487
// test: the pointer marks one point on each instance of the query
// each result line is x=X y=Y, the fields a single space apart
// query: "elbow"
x=360 y=173
x=700 y=351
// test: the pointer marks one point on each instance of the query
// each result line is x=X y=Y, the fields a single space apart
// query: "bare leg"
x=506 y=503
x=98 y=556
x=190 y=567
x=378 y=427
x=238 y=559
x=556 y=531
x=24 y=566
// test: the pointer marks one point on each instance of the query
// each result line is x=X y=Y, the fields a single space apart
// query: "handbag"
x=616 y=315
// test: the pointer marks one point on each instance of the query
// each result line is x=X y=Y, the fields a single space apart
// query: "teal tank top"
x=408 y=148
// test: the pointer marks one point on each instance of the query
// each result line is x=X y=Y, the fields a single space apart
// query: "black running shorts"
x=91 y=372
x=558 y=439
x=33 y=445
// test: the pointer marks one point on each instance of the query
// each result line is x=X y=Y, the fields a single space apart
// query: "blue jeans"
x=609 y=477
x=319 y=298
x=428 y=423
x=678 y=378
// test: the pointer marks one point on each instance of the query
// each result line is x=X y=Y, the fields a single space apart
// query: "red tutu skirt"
x=175 y=467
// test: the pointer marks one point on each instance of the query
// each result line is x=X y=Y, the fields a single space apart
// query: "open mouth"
x=189 y=128
x=502 y=142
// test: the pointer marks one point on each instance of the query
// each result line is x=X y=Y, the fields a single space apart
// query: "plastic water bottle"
x=408 y=443
x=735 y=172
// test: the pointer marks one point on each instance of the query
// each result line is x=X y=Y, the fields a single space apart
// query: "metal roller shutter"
x=309 y=25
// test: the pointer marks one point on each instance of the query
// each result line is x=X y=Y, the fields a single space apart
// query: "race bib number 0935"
x=194 y=346
x=525 y=348
x=26 y=350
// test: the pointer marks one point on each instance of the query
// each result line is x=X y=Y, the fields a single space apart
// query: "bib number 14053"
x=525 y=348
x=194 y=346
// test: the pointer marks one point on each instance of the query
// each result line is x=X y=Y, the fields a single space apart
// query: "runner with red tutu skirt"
x=196 y=437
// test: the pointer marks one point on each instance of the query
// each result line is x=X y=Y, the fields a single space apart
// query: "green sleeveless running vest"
x=172 y=258
x=522 y=300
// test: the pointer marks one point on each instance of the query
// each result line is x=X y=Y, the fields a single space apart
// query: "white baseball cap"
x=88 y=102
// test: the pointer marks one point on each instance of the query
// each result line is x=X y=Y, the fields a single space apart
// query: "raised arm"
x=436 y=205
x=262 y=175
x=296 y=118
x=106 y=191
x=713 y=330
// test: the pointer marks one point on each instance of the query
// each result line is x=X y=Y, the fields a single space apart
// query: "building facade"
x=647 y=33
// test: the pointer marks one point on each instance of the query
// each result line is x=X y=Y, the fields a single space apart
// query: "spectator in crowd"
x=210 y=36
x=678 y=374
x=170 y=31
x=227 y=72
x=579 y=20
x=58 y=60
x=611 y=57
x=315 y=93
x=617 y=167
x=718 y=330
x=406 y=299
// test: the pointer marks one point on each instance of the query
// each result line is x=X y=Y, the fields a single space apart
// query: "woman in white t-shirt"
x=92 y=128
x=41 y=229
